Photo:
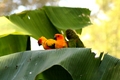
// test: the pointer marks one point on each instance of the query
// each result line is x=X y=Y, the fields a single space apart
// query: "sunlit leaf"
x=7 y=27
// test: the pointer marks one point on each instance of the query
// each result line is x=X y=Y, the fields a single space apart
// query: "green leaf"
x=13 y=43
x=35 y=22
x=80 y=63
x=46 y=21
x=109 y=69
x=68 y=18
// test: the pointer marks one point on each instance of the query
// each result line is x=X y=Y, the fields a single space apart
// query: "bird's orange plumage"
x=46 y=43
x=60 y=41
x=42 y=41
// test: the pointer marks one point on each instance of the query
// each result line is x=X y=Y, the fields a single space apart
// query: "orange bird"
x=46 y=43
x=60 y=41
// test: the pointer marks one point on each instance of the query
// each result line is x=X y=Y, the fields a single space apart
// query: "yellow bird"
x=46 y=43
x=60 y=41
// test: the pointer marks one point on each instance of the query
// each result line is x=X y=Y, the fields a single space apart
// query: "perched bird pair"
x=60 y=42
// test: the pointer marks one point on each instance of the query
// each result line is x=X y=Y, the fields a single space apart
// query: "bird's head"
x=58 y=36
x=41 y=40
x=71 y=34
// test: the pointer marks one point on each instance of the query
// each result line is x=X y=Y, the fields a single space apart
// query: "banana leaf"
x=14 y=43
x=7 y=28
x=60 y=64
x=109 y=69
x=66 y=17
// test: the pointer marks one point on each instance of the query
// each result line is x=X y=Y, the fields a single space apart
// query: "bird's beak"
x=39 y=43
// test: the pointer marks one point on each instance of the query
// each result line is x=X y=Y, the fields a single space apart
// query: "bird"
x=60 y=41
x=73 y=39
x=46 y=43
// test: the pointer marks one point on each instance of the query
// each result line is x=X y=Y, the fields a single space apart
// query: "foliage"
x=57 y=64
x=34 y=62
x=37 y=23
